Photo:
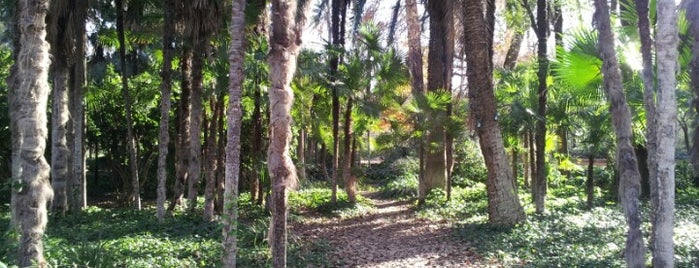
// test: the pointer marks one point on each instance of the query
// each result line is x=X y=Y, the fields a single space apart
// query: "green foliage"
x=318 y=200
x=469 y=165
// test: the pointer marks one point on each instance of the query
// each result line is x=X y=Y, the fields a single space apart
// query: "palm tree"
x=693 y=16
x=666 y=49
x=236 y=57
x=630 y=184
x=133 y=156
x=285 y=40
x=439 y=73
x=165 y=88
x=503 y=204
x=31 y=189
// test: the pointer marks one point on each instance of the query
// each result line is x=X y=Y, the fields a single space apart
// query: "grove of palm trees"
x=338 y=133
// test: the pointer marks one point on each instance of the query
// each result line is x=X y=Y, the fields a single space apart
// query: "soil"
x=390 y=236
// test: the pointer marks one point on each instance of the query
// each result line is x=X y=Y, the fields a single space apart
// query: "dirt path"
x=389 y=237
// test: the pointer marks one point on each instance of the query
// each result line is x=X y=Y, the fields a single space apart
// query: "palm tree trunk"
x=211 y=162
x=338 y=42
x=666 y=48
x=350 y=183
x=301 y=154
x=30 y=169
x=133 y=158
x=182 y=150
x=234 y=123
x=539 y=184
x=590 y=182
x=417 y=79
x=504 y=208
x=77 y=95
x=513 y=50
x=165 y=91
x=256 y=145
x=195 y=124
x=629 y=185
x=284 y=43
x=60 y=154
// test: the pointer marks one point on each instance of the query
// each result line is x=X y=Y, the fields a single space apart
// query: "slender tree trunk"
x=77 y=95
x=338 y=41
x=590 y=182
x=182 y=151
x=666 y=49
x=504 y=208
x=29 y=168
x=440 y=57
x=539 y=184
x=642 y=9
x=131 y=141
x=525 y=158
x=301 y=154
x=211 y=163
x=350 y=183
x=629 y=185
x=221 y=171
x=165 y=88
x=256 y=145
x=284 y=43
x=236 y=56
x=417 y=78
x=60 y=154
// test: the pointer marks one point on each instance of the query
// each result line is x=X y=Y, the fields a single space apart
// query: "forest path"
x=390 y=236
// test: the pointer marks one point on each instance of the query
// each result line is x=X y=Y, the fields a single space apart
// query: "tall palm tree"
x=630 y=184
x=693 y=17
x=503 y=204
x=31 y=189
x=285 y=40
x=131 y=140
x=439 y=73
x=666 y=49
x=165 y=90
x=236 y=57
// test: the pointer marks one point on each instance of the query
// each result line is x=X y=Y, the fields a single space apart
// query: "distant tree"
x=630 y=184
x=30 y=172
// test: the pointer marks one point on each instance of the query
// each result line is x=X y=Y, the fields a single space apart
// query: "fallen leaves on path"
x=391 y=236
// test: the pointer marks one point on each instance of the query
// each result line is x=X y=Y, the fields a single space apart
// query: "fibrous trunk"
x=350 y=183
x=504 y=208
x=539 y=184
x=630 y=178
x=236 y=55
x=194 y=172
x=182 y=150
x=30 y=171
x=165 y=90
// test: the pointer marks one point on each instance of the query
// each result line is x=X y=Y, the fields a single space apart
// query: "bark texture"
x=182 y=150
x=630 y=177
x=165 y=92
x=504 y=208
x=439 y=73
x=60 y=154
x=77 y=109
x=350 y=181
x=539 y=185
x=693 y=17
x=666 y=50
x=417 y=80
x=236 y=55
x=30 y=171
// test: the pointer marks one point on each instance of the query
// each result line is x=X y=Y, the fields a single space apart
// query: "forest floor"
x=388 y=236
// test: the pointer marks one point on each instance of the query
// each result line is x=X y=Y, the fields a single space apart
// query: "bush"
x=469 y=166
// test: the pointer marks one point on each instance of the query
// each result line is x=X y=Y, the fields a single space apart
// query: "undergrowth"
x=318 y=200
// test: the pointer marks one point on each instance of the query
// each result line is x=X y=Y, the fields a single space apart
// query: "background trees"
x=357 y=120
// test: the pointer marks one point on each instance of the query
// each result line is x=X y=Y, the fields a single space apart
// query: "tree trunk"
x=236 y=56
x=195 y=124
x=338 y=41
x=666 y=49
x=504 y=208
x=525 y=158
x=417 y=79
x=165 y=89
x=629 y=185
x=301 y=154
x=693 y=16
x=350 y=183
x=131 y=141
x=182 y=150
x=513 y=51
x=590 y=182
x=440 y=58
x=256 y=144
x=284 y=43
x=77 y=95
x=30 y=169
x=539 y=184
x=60 y=154
x=211 y=158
